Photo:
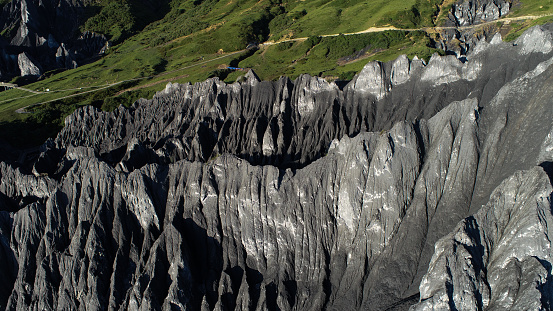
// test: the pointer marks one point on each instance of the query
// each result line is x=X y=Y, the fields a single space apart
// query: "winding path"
x=105 y=86
x=268 y=43
x=426 y=29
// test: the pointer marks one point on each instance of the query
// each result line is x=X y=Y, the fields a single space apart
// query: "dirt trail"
x=268 y=43
x=105 y=86
x=149 y=84
x=426 y=29
x=15 y=86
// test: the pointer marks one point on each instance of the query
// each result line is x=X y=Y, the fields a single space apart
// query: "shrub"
x=313 y=40
x=342 y=45
x=422 y=13
x=284 y=46
x=115 y=20
x=346 y=76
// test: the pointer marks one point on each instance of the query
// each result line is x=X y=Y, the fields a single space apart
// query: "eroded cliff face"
x=46 y=31
x=466 y=13
x=413 y=181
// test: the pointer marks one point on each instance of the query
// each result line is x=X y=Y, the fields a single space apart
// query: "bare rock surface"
x=44 y=30
x=467 y=12
x=500 y=258
x=27 y=66
x=423 y=186
x=472 y=13
x=291 y=123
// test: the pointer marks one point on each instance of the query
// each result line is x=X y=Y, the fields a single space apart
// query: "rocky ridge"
x=298 y=195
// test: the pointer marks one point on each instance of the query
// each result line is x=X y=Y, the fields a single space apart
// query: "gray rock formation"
x=275 y=121
x=423 y=186
x=45 y=30
x=27 y=66
x=500 y=258
x=64 y=58
x=467 y=13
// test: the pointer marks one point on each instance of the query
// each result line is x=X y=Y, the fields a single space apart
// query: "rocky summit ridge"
x=413 y=187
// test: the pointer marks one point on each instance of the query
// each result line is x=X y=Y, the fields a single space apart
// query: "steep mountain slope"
x=298 y=195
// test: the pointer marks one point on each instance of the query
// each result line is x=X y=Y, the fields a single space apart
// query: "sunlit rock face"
x=27 y=66
x=498 y=259
x=422 y=186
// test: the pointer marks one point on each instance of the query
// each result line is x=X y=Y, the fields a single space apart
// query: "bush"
x=284 y=46
x=283 y=20
x=342 y=45
x=313 y=40
x=236 y=36
x=422 y=13
x=111 y=103
x=115 y=20
x=347 y=76
x=220 y=73
x=298 y=14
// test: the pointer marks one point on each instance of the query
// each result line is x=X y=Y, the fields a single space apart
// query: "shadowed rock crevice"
x=548 y=168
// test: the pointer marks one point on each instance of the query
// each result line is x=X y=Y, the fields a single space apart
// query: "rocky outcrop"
x=27 y=66
x=416 y=185
x=45 y=31
x=465 y=12
x=500 y=258
x=273 y=123
x=468 y=13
